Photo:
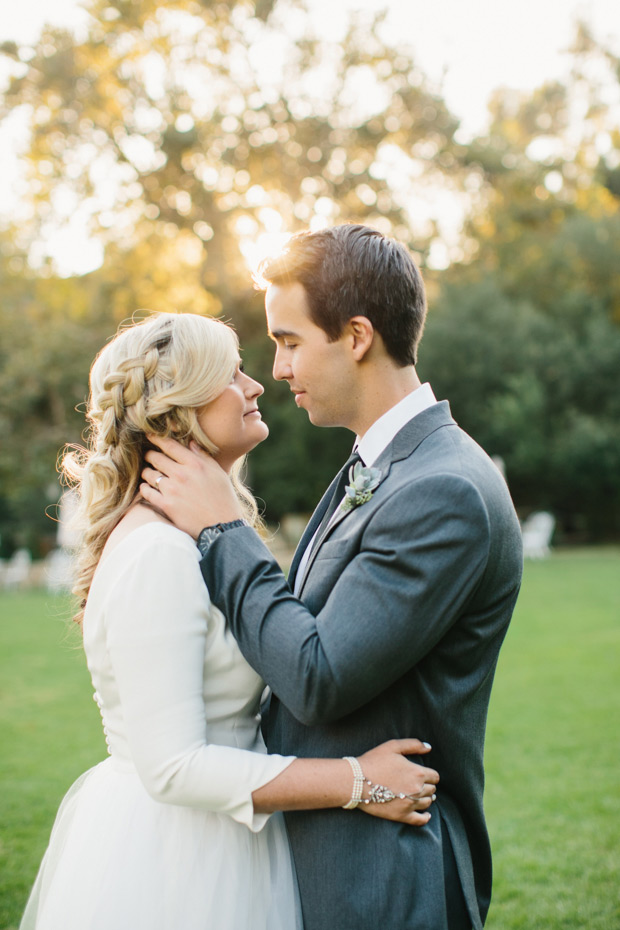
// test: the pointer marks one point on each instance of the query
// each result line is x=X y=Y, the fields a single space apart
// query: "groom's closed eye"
x=284 y=336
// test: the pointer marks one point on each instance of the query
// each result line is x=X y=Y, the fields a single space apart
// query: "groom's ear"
x=362 y=334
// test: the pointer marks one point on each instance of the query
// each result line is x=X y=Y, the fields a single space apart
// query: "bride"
x=176 y=829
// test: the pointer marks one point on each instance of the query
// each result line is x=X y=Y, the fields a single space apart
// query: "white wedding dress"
x=162 y=835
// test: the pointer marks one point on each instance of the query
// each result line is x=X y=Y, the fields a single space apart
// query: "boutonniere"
x=362 y=483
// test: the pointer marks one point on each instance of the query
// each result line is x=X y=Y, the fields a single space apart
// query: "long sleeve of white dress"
x=163 y=638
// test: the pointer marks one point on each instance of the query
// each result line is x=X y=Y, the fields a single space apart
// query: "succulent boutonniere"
x=362 y=483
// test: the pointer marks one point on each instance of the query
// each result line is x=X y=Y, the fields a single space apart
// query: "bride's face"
x=232 y=421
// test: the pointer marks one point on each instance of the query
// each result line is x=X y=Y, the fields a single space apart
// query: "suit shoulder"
x=451 y=451
x=449 y=468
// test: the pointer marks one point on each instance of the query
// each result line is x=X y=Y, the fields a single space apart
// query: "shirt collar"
x=383 y=430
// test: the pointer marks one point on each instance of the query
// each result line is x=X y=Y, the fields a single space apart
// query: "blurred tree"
x=182 y=133
x=205 y=118
x=49 y=336
x=185 y=134
x=525 y=337
x=541 y=391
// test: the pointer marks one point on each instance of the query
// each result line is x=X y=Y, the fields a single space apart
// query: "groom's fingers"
x=171 y=449
x=160 y=464
x=151 y=477
x=150 y=496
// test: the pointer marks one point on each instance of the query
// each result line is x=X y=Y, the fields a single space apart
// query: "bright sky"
x=476 y=45
x=470 y=46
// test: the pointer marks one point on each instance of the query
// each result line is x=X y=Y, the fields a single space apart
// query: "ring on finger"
x=157 y=480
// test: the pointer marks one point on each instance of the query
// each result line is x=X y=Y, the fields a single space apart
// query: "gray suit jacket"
x=404 y=606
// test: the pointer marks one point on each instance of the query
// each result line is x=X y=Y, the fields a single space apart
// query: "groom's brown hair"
x=354 y=270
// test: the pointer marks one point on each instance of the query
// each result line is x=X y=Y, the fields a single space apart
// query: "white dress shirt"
x=383 y=430
x=376 y=439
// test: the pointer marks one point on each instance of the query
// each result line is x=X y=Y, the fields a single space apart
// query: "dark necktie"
x=343 y=480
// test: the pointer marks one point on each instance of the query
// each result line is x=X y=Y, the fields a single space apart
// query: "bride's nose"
x=253 y=388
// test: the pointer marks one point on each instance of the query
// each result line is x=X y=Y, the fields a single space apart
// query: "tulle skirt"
x=118 y=860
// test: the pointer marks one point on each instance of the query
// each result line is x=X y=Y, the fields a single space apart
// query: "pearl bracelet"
x=378 y=794
x=358 y=783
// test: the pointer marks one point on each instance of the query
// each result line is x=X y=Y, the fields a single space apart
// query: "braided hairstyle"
x=153 y=377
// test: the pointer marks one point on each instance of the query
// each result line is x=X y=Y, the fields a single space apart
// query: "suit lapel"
x=403 y=445
x=337 y=518
x=310 y=530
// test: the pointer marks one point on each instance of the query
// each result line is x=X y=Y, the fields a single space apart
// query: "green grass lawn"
x=50 y=732
x=553 y=795
x=552 y=756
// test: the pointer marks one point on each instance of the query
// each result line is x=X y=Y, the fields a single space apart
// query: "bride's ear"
x=362 y=333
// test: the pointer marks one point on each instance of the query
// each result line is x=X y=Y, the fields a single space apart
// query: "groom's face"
x=321 y=374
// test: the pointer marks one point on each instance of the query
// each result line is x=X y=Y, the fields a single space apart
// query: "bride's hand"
x=386 y=765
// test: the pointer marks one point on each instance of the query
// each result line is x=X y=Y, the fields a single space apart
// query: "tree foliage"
x=193 y=133
x=525 y=337
x=183 y=132
x=180 y=145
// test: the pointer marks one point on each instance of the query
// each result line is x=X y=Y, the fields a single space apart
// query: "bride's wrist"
x=357 y=789
x=365 y=791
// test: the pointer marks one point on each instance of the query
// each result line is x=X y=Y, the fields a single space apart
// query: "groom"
x=397 y=603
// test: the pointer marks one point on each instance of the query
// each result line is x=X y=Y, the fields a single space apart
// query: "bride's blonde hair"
x=153 y=377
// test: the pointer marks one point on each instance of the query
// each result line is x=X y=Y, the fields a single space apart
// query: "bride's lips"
x=254 y=411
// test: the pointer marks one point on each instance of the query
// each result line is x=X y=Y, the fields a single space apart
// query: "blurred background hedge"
x=159 y=125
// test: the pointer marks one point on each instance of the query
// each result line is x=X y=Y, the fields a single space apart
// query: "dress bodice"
x=170 y=681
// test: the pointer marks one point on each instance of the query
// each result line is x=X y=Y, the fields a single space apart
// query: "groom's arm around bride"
x=397 y=603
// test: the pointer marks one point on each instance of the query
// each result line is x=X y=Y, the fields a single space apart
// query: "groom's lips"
x=298 y=395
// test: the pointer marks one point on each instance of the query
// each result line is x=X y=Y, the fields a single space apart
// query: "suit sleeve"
x=422 y=556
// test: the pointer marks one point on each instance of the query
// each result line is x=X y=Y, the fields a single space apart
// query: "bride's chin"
x=260 y=438
x=262 y=432
x=256 y=440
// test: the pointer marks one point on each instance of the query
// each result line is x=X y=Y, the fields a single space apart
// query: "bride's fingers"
x=430 y=776
x=416 y=819
x=422 y=801
x=408 y=747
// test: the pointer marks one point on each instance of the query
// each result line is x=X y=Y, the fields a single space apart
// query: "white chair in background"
x=17 y=570
x=59 y=571
x=536 y=532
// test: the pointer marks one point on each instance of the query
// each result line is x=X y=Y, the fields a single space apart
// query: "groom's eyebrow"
x=281 y=334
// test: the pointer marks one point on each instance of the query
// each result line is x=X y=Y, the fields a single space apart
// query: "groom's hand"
x=188 y=486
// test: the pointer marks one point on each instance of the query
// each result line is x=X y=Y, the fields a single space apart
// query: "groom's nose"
x=281 y=367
